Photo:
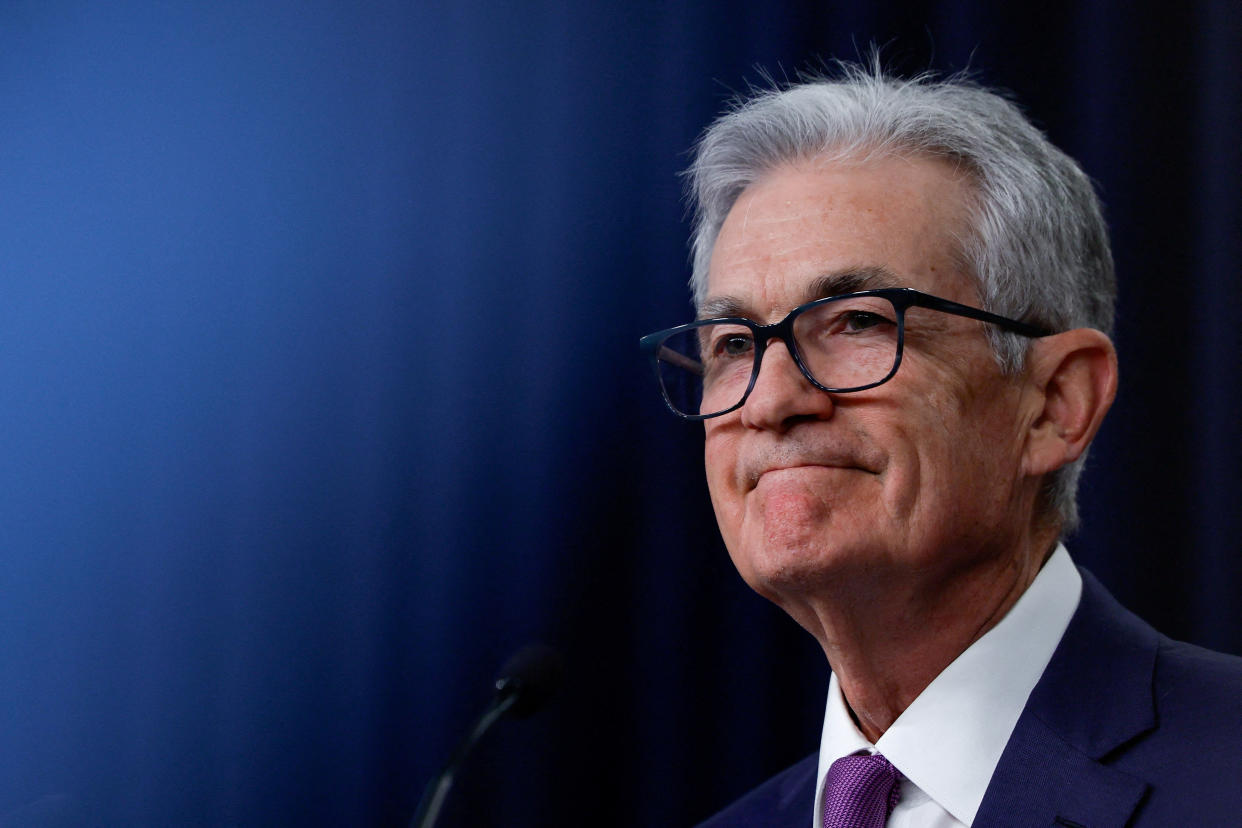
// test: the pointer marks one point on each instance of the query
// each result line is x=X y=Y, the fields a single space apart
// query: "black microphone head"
x=532 y=676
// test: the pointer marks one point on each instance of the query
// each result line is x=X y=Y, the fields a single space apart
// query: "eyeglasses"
x=840 y=344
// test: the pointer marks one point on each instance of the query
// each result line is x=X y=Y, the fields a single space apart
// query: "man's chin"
x=776 y=571
x=795 y=560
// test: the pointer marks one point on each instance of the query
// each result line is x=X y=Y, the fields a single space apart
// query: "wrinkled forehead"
x=812 y=229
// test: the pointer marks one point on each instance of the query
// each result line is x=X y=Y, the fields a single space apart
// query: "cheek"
x=960 y=457
x=929 y=447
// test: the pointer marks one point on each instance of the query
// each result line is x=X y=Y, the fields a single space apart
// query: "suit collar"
x=1095 y=696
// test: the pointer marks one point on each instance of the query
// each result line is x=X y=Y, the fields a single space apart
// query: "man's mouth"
x=752 y=479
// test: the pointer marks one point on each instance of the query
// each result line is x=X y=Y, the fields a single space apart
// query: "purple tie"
x=860 y=791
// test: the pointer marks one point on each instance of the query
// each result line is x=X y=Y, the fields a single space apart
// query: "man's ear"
x=1076 y=375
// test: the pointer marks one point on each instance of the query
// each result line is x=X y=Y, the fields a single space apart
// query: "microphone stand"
x=507 y=694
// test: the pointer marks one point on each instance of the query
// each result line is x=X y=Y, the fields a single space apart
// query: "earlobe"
x=1076 y=371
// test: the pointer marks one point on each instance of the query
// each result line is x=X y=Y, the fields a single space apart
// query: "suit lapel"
x=1042 y=780
x=1095 y=696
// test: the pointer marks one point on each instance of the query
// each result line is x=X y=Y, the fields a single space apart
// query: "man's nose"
x=782 y=395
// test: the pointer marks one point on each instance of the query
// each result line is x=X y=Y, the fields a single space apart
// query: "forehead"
x=887 y=222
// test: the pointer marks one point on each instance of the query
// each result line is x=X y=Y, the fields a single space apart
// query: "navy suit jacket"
x=1125 y=728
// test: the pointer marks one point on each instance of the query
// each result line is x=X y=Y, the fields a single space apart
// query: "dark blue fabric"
x=1125 y=727
x=321 y=394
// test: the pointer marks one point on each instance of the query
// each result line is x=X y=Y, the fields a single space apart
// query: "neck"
x=886 y=639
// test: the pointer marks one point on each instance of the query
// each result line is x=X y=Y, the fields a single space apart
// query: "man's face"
x=917 y=479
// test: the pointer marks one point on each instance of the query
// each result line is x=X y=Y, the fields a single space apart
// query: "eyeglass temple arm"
x=680 y=360
x=1012 y=325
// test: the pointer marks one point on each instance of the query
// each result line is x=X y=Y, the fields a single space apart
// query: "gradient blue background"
x=321 y=390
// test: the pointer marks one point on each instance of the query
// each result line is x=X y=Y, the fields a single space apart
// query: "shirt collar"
x=950 y=739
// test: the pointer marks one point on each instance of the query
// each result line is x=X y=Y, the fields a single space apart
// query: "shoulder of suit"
x=1205 y=682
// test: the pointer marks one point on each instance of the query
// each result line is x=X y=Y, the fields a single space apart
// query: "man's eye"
x=862 y=320
x=732 y=345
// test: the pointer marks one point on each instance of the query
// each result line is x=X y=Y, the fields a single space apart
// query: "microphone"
x=526 y=682
x=530 y=677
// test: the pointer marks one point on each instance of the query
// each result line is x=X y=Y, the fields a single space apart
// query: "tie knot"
x=860 y=791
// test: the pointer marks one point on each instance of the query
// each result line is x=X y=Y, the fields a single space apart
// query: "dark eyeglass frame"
x=902 y=299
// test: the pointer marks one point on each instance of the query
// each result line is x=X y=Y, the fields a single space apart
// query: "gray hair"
x=1035 y=241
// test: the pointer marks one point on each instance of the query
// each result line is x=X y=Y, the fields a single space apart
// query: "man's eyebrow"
x=836 y=283
x=850 y=280
x=721 y=306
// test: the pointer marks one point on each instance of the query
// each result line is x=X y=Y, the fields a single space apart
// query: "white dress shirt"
x=948 y=741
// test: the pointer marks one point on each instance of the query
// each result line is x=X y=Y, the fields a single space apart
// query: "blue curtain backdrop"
x=321 y=393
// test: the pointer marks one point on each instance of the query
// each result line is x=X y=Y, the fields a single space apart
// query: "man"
x=904 y=296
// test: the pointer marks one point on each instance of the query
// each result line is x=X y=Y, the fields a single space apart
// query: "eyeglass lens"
x=844 y=344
